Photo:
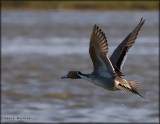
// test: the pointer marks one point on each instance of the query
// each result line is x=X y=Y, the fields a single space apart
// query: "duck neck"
x=83 y=76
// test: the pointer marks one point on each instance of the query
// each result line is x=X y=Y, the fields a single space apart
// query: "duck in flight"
x=107 y=72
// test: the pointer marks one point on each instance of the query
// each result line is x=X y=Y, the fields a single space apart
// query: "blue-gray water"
x=38 y=47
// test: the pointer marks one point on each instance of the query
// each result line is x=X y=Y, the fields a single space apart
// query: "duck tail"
x=134 y=87
x=136 y=92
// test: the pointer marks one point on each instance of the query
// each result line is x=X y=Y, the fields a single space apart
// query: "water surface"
x=38 y=47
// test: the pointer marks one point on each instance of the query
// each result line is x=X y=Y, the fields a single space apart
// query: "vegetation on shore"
x=82 y=5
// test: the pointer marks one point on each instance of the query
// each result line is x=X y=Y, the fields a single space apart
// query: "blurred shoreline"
x=82 y=5
x=74 y=10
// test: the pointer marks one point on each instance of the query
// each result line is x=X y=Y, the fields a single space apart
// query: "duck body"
x=107 y=83
x=104 y=82
x=107 y=72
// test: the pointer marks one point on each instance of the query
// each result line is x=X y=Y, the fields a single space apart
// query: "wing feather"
x=119 y=54
x=99 y=53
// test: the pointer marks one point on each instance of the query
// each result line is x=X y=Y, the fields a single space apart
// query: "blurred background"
x=42 y=41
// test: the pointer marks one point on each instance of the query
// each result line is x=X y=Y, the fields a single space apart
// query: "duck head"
x=72 y=75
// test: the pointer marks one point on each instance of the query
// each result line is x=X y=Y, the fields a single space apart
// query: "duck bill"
x=64 y=77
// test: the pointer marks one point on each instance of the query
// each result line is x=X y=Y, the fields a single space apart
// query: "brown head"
x=72 y=75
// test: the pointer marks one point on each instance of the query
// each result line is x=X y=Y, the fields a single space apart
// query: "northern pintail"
x=107 y=72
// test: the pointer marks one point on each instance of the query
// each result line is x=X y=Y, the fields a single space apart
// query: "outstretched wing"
x=119 y=55
x=99 y=54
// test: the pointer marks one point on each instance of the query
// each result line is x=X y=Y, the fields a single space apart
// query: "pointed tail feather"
x=136 y=92
x=133 y=87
